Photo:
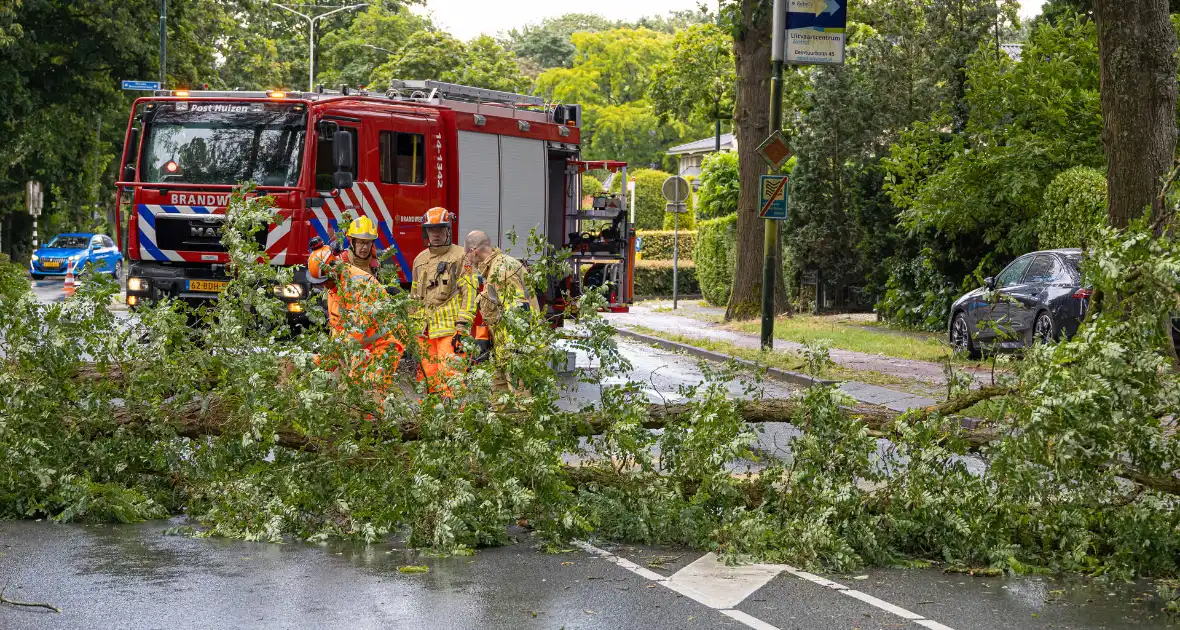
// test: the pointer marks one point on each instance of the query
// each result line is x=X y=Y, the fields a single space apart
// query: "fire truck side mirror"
x=132 y=155
x=342 y=152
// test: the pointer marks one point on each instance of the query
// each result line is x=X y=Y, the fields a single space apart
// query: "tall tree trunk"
x=751 y=122
x=1137 y=49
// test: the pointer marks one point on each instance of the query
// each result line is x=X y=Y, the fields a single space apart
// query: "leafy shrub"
x=716 y=257
x=657 y=244
x=916 y=294
x=653 y=278
x=1074 y=210
x=649 y=200
x=718 y=196
x=688 y=220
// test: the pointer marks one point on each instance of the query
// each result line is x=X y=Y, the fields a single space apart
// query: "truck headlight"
x=289 y=291
x=137 y=284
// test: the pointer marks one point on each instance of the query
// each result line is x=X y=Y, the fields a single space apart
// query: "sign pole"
x=676 y=190
x=770 y=243
x=675 y=256
x=163 y=42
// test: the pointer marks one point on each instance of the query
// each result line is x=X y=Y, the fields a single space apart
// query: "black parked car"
x=1038 y=298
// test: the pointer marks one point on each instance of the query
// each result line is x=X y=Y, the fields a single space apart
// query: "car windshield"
x=69 y=242
x=225 y=143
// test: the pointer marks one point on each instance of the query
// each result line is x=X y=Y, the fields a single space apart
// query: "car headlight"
x=36 y=258
x=137 y=284
x=289 y=291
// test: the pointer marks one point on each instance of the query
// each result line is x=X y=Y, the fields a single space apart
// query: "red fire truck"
x=503 y=163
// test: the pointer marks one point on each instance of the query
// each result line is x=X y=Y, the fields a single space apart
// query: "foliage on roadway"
x=255 y=434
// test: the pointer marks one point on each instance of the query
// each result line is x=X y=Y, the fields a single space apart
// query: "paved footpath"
x=925 y=371
x=688 y=327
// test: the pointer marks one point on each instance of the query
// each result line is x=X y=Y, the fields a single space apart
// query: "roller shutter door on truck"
x=522 y=192
x=479 y=184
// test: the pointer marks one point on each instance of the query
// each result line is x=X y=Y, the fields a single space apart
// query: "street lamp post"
x=311 y=20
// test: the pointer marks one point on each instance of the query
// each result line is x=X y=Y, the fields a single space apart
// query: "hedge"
x=649 y=200
x=715 y=256
x=718 y=196
x=1074 y=208
x=653 y=278
x=657 y=244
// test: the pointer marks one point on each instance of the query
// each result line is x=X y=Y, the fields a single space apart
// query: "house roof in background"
x=704 y=145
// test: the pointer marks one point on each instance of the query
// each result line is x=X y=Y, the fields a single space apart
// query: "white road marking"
x=882 y=604
x=711 y=583
x=723 y=586
x=623 y=562
x=749 y=620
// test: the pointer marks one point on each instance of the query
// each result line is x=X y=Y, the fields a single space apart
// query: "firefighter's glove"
x=457 y=342
x=483 y=350
x=393 y=290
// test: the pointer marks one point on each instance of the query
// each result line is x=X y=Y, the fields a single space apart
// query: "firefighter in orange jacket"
x=353 y=297
x=445 y=300
x=322 y=261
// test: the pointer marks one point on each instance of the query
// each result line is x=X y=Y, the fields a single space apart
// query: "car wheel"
x=117 y=272
x=961 y=340
x=1044 y=328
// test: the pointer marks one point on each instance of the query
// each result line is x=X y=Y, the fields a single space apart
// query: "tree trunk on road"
x=751 y=121
x=212 y=417
x=1137 y=50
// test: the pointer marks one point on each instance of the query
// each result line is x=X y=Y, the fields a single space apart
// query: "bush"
x=718 y=196
x=917 y=294
x=653 y=278
x=649 y=201
x=715 y=256
x=657 y=244
x=1074 y=209
x=687 y=219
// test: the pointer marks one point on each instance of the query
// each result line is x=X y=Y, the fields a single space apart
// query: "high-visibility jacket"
x=322 y=270
x=504 y=286
x=359 y=291
x=445 y=294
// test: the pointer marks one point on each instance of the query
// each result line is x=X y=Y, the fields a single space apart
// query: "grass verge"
x=793 y=361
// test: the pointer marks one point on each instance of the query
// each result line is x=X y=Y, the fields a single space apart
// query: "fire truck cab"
x=502 y=163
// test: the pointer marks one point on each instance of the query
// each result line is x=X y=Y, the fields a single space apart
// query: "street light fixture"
x=311 y=20
x=379 y=48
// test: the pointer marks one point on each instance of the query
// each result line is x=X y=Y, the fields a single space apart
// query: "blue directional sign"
x=774 y=197
x=816 y=31
x=141 y=85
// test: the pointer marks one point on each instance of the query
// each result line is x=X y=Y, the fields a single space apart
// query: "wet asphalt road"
x=134 y=576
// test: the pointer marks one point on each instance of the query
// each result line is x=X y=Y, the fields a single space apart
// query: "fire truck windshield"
x=224 y=143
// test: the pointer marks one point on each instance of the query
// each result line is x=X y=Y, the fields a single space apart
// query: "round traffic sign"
x=676 y=189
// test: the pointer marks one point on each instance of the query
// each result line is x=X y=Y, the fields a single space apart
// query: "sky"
x=468 y=18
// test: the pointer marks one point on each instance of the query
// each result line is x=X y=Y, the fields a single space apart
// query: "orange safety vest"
x=320 y=271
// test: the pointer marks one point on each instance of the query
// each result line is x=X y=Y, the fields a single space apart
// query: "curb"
x=788 y=376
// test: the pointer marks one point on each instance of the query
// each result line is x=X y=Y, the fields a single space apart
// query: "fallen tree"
x=262 y=436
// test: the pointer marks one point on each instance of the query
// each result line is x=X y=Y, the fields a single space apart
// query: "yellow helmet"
x=363 y=229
